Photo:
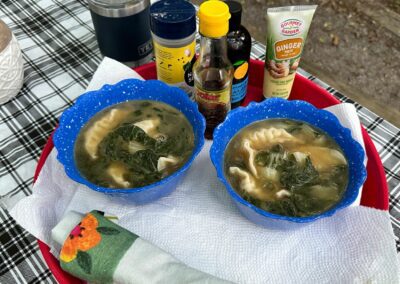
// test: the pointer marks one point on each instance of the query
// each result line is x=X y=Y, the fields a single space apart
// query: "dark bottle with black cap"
x=239 y=47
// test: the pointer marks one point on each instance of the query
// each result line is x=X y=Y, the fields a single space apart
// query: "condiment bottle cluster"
x=217 y=78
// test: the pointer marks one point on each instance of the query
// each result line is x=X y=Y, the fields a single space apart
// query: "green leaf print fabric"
x=94 y=248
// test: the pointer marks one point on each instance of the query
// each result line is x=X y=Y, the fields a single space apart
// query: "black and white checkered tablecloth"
x=60 y=56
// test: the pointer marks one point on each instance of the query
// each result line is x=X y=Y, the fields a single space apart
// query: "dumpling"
x=248 y=184
x=338 y=156
x=283 y=193
x=329 y=192
x=165 y=162
x=149 y=126
x=300 y=157
x=269 y=174
x=265 y=137
x=117 y=171
x=249 y=153
x=96 y=133
x=134 y=146
x=323 y=158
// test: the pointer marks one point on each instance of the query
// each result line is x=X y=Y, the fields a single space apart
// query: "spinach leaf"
x=296 y=205
x=306 y=205
x=115 y=148
x=165 y=146
x=272 y=158
x=338 y=172
x=337 y=177
x=294 y=175
x=130 y=132
x=140 y=179
x=143 y=161
x=281 y=207
x=142 y=164
x=137 y=112
x=173 y=145
x=294 y=127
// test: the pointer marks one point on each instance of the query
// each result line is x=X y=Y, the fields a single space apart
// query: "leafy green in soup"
x=286 y=167
x=133 y=144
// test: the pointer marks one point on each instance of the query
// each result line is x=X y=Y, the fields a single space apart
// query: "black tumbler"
x=123 y=30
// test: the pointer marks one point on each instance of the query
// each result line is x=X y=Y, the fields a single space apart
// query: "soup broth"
x=133 y=144
x=286 y=167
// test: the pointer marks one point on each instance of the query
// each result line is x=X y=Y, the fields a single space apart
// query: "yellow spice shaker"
x=173 y=27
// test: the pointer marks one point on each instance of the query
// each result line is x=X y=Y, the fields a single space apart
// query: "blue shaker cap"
x=172 y=19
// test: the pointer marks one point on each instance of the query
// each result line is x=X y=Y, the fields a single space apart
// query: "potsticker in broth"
x=286 y=167
x=133 y=144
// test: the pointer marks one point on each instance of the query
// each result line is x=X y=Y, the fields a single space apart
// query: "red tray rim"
x=375 y=171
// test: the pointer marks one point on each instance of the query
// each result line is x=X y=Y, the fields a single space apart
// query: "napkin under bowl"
x=300 y=111
x=90 y=103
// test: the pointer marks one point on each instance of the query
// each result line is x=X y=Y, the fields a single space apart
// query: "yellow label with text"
x=218 y=97
x=279 y=87
x=171 y=62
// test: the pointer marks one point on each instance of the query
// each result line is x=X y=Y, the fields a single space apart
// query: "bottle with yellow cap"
x=213 y=72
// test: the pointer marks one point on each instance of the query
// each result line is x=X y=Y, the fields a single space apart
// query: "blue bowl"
x=90 y=103
x=297 y=110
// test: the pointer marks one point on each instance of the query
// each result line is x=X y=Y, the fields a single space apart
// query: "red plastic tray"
x=375 y=190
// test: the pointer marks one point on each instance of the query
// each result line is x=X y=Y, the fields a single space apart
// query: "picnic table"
x=60 y=55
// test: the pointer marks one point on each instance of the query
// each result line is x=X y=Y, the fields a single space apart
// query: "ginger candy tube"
x=287 y=29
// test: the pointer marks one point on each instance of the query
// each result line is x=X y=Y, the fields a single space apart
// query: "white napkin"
x=111 y=72
x=199 y=225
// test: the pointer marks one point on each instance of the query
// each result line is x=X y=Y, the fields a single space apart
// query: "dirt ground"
x=352 y=45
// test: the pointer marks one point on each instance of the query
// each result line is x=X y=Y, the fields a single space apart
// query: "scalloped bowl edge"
x=280 y=108
x=125 y=90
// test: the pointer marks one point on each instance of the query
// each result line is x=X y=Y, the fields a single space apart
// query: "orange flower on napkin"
x=82 y=238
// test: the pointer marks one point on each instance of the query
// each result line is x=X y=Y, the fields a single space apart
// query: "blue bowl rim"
x=106 y=88
x=346 y=132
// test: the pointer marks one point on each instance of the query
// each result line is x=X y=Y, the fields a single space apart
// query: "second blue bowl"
x=297 y=110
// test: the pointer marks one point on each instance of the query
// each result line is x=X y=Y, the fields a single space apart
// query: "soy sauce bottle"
x=239 y=48
x=213 y=71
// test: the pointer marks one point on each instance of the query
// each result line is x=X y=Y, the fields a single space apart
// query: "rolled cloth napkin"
x=97 y=250
x=200 y=226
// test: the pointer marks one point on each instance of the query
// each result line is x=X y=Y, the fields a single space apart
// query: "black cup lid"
x=172 y=19
x=235 y=8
